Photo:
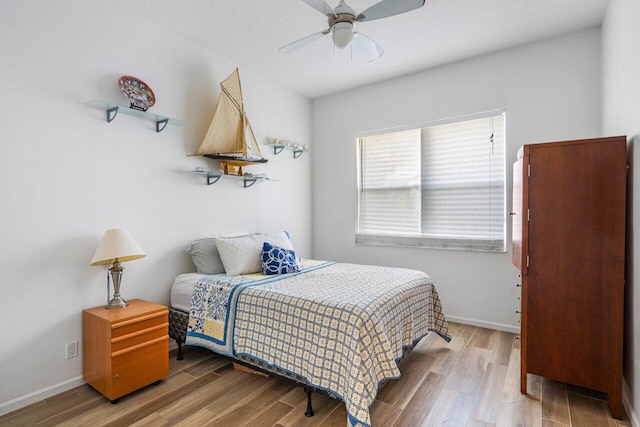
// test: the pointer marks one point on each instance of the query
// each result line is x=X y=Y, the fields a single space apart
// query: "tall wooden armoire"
x=569 y=244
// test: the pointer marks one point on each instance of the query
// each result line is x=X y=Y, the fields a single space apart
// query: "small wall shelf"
x=249 y=180
x=214 y=176
x=112 y=110
x=279 y=145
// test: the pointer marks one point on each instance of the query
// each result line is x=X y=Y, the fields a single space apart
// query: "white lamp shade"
x=342 y=34
x=118 y=245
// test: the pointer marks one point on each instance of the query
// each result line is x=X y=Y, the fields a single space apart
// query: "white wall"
x=67 y=175
x=550 y=91
x=621 y=116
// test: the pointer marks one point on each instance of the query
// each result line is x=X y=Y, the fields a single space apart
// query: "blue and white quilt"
x=341 y=326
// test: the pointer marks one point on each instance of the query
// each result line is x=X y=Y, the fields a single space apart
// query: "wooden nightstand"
x=125 y=349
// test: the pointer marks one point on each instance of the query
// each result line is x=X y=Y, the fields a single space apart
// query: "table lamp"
x=116 y=246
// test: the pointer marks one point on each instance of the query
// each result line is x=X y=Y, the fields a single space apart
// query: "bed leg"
x=309 y=412
x=179 y=342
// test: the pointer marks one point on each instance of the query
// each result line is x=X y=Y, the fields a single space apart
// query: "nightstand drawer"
x=137 y=338
x=125 y=349
x=130 y=326
x=137 y=367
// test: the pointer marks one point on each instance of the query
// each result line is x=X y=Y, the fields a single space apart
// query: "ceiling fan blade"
x=321 y=6
x=387 y=8
x=366 y=47
x=303 y=42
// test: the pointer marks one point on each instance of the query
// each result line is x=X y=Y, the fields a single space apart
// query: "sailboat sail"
x=230 y=138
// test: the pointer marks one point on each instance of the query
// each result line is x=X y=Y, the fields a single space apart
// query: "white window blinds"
x=390 y=194
x=440 y=186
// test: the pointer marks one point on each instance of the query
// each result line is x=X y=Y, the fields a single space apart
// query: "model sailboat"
x=230 y=139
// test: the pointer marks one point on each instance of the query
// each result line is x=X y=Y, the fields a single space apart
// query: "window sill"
x=497 y=246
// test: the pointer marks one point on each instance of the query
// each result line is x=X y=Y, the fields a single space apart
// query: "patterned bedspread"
x=341 y=326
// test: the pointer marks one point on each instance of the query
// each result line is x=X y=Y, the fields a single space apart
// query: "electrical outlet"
x=72 y=349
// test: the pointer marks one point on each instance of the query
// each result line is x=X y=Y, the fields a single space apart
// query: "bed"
x=331 y=327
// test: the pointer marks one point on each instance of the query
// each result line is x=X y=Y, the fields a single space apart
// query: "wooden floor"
x=473 y=381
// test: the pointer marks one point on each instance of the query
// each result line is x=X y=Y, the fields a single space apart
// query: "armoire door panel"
x=518 y=217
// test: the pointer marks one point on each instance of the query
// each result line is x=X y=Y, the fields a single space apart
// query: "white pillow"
x=205 y=256
x=243 y=254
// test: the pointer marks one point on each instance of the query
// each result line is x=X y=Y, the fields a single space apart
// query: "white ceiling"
x=249 y=33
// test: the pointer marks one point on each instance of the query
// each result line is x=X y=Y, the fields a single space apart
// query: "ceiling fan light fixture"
x=342 y=25
x=342 y=34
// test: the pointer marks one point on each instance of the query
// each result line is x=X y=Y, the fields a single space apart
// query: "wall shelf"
x=112 y=110
x=214 y=176
x=279 y=145
x=249 y=179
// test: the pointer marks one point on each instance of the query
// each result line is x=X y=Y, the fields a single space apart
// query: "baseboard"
x=37 y=396
x=482 y=324
x=627 y=402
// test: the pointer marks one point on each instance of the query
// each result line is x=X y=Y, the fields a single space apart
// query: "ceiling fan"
x=342 y=25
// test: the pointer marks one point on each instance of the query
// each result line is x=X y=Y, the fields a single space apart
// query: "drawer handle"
x=117 y=376
x=139 y=346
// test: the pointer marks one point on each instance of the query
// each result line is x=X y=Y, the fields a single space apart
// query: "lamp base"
x=117 y=302
x=116 y=273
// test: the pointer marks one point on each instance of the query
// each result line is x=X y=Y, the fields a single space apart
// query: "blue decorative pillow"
x=277 y=260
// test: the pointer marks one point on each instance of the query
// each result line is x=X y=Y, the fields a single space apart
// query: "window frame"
x=395 y=240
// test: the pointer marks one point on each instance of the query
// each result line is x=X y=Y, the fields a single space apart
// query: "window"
x=439 y=186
